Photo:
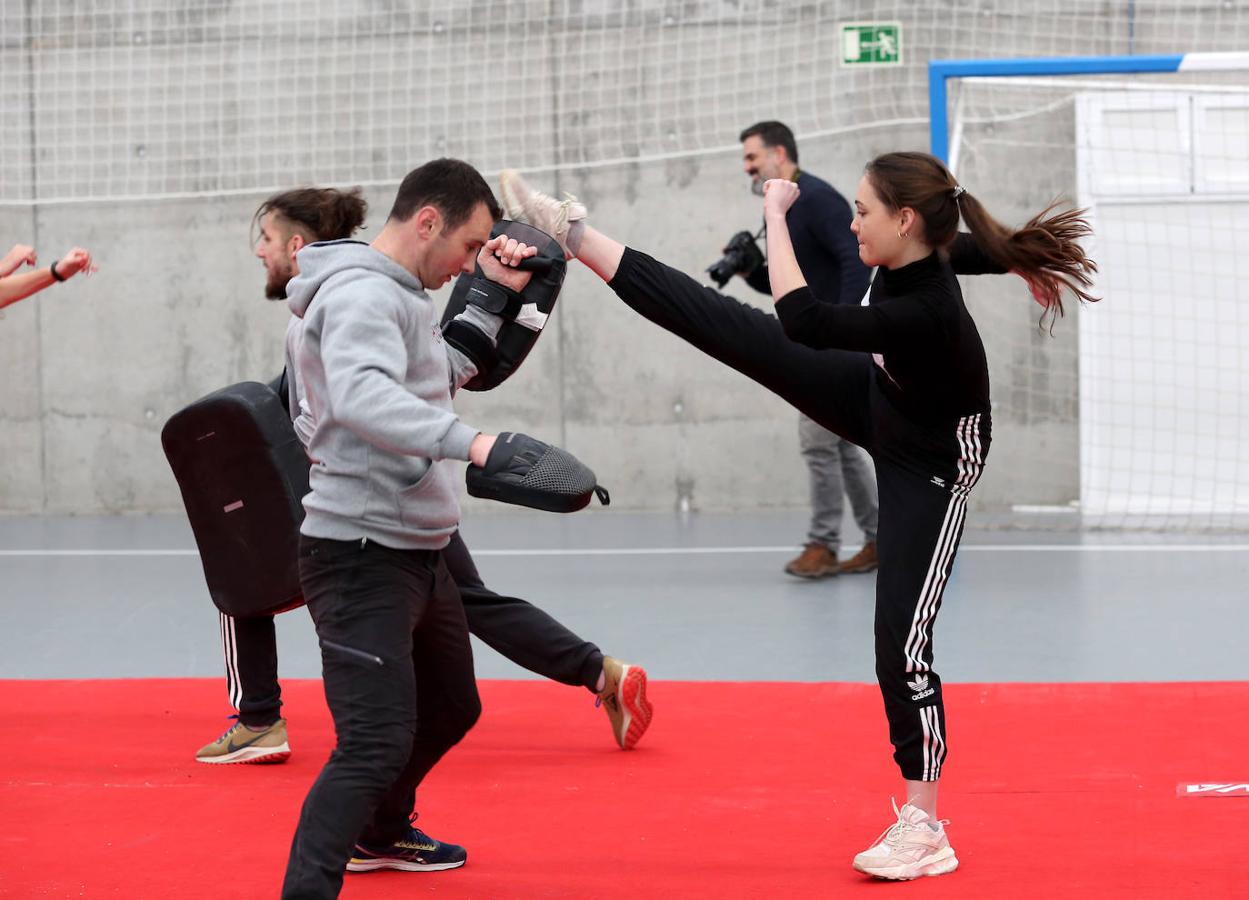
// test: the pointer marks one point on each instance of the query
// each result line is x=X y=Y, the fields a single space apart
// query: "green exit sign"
x=871 y=44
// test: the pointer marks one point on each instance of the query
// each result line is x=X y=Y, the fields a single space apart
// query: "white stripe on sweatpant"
x=229 y=646
x=970 y=465
x=923 y=723
x=934 y=583
x=934 y=743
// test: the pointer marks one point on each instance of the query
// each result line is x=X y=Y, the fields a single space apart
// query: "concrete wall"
x=92 y=369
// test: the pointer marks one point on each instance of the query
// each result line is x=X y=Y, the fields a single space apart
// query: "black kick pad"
x=243 y=475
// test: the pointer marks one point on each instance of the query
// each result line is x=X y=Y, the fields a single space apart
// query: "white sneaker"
x=913 y=847
x=523 y=204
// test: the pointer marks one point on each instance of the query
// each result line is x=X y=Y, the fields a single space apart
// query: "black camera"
x=741 y=255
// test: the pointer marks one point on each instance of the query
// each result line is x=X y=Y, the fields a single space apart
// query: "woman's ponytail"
x=1046 y=252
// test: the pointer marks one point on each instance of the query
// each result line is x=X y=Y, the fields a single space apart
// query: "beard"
x=756 y=185
x=275 y=286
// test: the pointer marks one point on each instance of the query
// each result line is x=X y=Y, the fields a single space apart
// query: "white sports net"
x=159 y=98
x=1134 y=414
x=1144 y=420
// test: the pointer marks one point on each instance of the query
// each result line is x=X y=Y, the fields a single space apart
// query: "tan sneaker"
x=863 y=561
x=624 y=698
x=815 y=561
x=242 y=744
x=523 y=204
x=913 y=847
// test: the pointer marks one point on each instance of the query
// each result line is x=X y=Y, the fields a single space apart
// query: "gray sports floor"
x=693 y=597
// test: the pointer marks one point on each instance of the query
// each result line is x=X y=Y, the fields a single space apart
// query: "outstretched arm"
x=19 y=287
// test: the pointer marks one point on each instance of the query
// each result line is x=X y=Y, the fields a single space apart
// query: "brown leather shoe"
x=815 y=561
x=863 y=561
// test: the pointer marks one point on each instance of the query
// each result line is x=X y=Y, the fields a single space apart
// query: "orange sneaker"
x=623 y=697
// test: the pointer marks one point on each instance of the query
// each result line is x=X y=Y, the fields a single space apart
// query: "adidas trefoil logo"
x=920 y=687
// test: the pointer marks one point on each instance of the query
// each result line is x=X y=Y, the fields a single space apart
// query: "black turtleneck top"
x=930 y=360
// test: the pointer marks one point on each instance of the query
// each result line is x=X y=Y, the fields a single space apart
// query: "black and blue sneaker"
x=415 y=852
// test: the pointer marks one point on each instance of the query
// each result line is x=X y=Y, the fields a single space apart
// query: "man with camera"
x=828 y=254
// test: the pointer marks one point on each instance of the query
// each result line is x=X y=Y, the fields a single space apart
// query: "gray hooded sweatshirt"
x=377 y=379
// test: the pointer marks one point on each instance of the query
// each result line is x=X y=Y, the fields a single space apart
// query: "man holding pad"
x=378 y=381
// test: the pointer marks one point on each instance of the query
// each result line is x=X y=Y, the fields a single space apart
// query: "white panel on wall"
x=1221 y=143
x=1163 y=385
x=1134 y=143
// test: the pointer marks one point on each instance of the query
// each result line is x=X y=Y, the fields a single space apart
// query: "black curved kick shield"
x=243 y=475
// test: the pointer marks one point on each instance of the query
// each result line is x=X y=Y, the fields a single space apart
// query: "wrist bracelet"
x=55 y=275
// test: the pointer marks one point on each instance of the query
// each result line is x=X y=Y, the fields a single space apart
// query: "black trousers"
x=398 y=672
x=520 y=631
x=515 y=628
x=923 y=472
x=250 y=647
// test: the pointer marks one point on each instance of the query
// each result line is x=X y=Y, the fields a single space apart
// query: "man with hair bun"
x=283 y=225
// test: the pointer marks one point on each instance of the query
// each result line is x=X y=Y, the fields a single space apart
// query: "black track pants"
x=520 y=631
x=251 y=655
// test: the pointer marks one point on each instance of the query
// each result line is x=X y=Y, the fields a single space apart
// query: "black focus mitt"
x=528 y=472
x=523 y=313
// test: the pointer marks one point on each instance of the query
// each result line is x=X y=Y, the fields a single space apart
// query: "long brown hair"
x=1046 y=252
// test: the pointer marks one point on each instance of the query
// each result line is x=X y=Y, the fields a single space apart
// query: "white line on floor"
x=696 y=551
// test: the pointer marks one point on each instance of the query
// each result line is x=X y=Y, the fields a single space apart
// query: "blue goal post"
x=940 y=71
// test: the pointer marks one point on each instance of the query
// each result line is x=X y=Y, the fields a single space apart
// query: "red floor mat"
x=738 y=790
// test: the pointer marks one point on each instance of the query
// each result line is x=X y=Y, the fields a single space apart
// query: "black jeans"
x=399 y=683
